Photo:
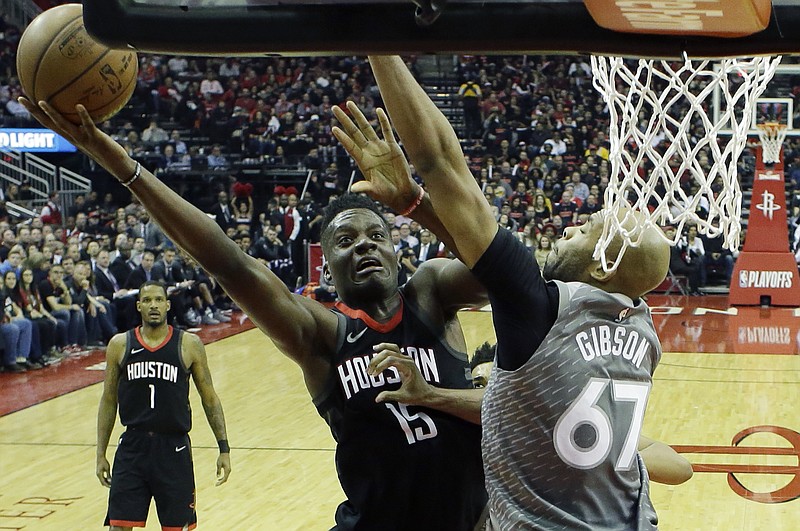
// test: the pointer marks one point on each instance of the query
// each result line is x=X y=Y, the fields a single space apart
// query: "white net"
x=771 y=135
x=668 y=158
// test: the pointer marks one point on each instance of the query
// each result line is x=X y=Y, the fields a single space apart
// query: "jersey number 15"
x=406 y=418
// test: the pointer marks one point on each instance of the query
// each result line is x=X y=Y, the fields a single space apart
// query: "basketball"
x=58 y=62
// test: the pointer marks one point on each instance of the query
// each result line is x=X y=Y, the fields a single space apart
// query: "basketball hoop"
x=772 y=135
x=667 y=155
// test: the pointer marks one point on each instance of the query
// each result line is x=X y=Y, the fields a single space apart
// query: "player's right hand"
x=103 y=471
x=385 y=168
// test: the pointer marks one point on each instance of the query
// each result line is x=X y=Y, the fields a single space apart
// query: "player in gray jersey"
x=663 y=464
x=564 y=407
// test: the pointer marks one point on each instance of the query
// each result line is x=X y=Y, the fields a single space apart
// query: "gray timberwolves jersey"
x=560 y=434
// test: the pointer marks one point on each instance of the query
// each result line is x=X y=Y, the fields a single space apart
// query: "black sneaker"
x=15 y=367
x=33 y=364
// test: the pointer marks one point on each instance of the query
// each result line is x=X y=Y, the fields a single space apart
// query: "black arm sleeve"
x=524 y=306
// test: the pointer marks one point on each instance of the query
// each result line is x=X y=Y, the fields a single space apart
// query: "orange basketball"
x=58 y=62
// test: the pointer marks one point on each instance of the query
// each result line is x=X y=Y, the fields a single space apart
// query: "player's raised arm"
x=251 y=284
x=385 y=169
x=433 y=148
x=196 y=356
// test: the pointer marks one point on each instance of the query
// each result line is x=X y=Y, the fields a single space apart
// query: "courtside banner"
x=712 y=18
x=35 y=140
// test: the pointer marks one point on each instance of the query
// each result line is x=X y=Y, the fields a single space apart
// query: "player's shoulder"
x=190 y=340
x=119 y=340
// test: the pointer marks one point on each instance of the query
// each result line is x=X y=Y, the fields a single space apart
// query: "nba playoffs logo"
x=768 y=205
x=765 y=279
x=743 y=278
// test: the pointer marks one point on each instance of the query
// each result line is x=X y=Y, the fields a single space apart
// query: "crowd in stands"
x=534 y=135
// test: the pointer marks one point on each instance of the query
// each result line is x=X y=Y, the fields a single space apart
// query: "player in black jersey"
x=410 y=465
x=147 y=374
x=563 y=409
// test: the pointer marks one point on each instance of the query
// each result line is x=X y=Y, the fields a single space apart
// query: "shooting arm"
x=261 y=294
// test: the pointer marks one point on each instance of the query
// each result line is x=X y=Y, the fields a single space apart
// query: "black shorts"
x=152 y=465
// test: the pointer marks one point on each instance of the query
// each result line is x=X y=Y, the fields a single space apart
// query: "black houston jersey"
x=401 y=467
x=154 y=385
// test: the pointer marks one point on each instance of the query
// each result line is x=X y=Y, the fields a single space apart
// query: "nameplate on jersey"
x=354 y=377
x=159 y=370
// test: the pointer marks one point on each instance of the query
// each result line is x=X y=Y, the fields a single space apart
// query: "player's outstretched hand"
x=223 y=468
x=103 y=471
x=385 y=168
x=86 y=136
x=414 y=390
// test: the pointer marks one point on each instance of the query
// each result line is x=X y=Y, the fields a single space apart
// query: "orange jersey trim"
x=137 y=331
x=128 y=523
x=383 y=328
x=183 y=528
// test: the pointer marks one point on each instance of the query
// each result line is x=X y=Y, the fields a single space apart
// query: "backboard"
x=775 y=105
x=319 y=27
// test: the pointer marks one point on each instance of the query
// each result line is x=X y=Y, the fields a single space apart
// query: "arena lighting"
x=34 y=140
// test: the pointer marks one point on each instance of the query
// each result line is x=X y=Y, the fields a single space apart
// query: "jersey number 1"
x=152 y=396
x=585 y=411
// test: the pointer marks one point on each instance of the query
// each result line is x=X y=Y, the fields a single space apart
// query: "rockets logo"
x=767 y=205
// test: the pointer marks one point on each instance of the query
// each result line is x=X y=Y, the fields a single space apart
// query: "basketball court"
x=724 y=394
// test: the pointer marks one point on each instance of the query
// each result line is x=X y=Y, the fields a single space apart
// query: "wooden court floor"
x=733 y=413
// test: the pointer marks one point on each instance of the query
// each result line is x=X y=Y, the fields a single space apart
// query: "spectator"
x=110 y=289
x=406 y=236
x=681 y=262
x=544 y=249
x=426 y=248
x=216 y=160
x=693 y=245
x=13 y=262
x=17 y=334
x=210 y=86
x=566 y=209
x=154 y=134
x=222 y=212
x=51 y=212
x=718 y=258
x=57 y=298
x=200 y=290
x=154 y=238
x=97 y=314
x=470 y=94
x=52 y=333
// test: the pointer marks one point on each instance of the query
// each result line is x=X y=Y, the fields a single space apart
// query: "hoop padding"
x=653 y=104
x=771 y=135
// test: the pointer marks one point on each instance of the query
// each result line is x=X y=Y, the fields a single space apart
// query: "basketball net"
x=652 y=106
x=772 y=135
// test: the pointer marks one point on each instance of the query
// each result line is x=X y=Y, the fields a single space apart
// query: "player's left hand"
x=414 y=390
x=86 y=136
x=385 y=168
x=223 y=468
